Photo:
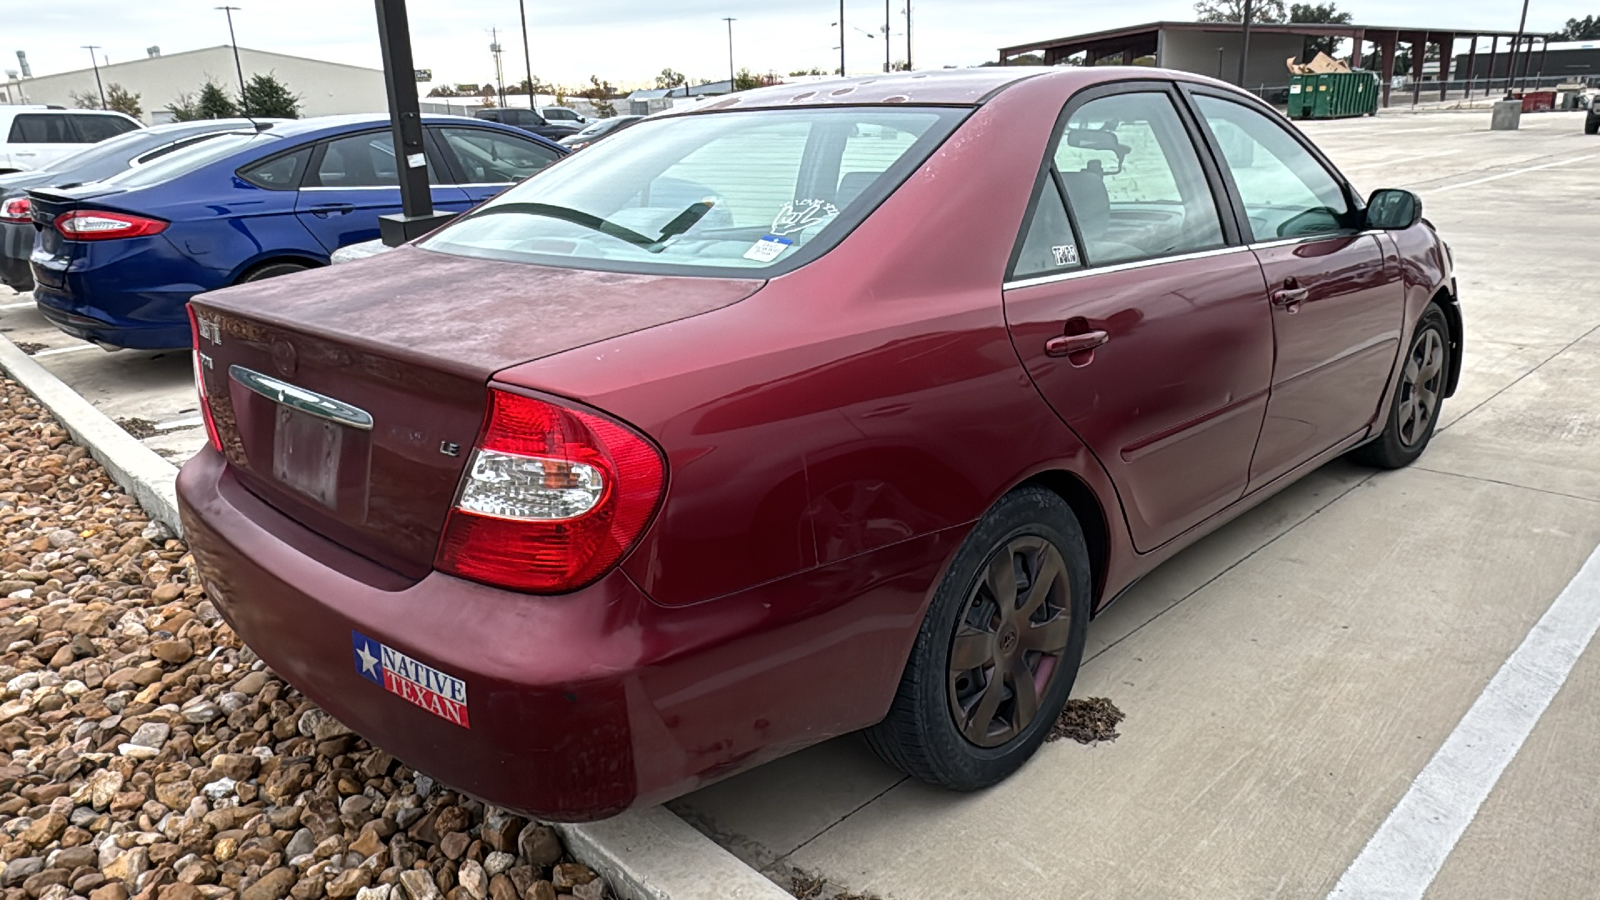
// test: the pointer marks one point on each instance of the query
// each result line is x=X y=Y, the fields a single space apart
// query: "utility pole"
x=499 y=73
x=909 y=67
x=1244 y=43
x=841 y=38
x=234 y=42
x=886 y=45
x=731 y=77
x=527 y=58
x=1511 y=71
x=96 y=63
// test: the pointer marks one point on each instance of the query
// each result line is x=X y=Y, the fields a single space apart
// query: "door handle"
x=1290 y=298
x=1068 y=344
x=324 y=210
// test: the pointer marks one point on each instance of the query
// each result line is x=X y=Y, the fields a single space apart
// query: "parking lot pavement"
x=1286 y=679
x=150 y=394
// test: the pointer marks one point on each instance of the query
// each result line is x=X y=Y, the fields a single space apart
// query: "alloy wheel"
x=1012 y=631
x=1420 y=387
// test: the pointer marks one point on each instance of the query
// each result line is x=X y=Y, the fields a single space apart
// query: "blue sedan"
x=116 y=262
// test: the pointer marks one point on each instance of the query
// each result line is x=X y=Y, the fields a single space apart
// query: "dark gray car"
x=96 y=162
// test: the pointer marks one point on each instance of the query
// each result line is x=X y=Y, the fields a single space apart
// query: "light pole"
x=841 y=38
x=1244 y=42
x=730 y=20
x=527 y=58
x=96 y=63
x=1511 y=73
x=243 y=103
x=908 y=36
x=887 y=47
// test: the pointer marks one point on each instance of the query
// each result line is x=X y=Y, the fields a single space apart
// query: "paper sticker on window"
x=1066 y=254
x=768 y=248
x=802 y=214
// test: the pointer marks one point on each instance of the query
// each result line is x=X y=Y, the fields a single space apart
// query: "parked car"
x=32 y=137
x=561 y=115
x=95 y=163
x=598 y=130
x=116 y=261
x=528 y=120
x=785 y=417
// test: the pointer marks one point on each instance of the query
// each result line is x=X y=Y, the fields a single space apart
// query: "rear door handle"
x=324 y=210
x=1067 y=344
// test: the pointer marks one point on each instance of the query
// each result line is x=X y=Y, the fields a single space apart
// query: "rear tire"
x=1591 y=125
x=998 y=651
x=273 y=270
x=1414 y=411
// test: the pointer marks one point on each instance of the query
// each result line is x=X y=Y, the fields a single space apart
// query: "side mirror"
x=1393 y=210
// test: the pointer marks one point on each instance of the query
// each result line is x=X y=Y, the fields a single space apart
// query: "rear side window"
x=1048 y=246
x=280 y=173
x=92 y=128
x=1134 y=182
x=718 y=192
x=42 y=128
x=490 y=157
x=358 y=160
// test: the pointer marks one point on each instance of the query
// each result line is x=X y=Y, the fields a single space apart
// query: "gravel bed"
x=145 y=752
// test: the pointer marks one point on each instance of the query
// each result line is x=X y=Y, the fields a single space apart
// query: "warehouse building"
x=325 y=88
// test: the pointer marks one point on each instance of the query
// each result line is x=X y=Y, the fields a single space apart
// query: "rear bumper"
x=132 y=300
x=577 y=706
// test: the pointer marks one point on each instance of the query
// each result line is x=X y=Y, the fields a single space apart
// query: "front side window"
x=1134 y=182
x=715 y=192
x=357 y=160
x=1286 y=192
x=92 y=128
x=489 y=157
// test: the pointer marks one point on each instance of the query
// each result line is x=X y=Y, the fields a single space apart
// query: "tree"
x=265 y=95
x=84 y=100
x=1319 y=14
x=600 y=94
x=444 y=90
x=811 y=71
x=745 y=80
x=669 y=79
x=121 y=100
x=184 y=109
x=1268 y=11
x=1584 y=29
x=214 y=103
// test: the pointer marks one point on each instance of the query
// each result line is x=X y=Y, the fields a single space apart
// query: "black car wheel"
x=998 y=649
x=273 y=270
x=1414 y=412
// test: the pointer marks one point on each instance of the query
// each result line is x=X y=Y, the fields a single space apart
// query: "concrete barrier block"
x=1507 y=115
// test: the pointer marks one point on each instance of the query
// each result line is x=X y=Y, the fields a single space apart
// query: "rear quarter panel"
x=226 y=225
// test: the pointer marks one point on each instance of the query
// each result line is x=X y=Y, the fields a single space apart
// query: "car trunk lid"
x=349 y=398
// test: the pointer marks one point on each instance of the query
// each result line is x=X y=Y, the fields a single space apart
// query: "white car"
x=34 y=136
x=560 y=115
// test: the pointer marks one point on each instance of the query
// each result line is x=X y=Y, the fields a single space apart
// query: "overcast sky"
x=629 y=41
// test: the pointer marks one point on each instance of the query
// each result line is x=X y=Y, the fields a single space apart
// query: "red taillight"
x=17 y=209
x=94 y=225
x=552 y=498
x=200 y=383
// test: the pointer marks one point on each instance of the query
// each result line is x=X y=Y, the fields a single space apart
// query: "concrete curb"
x=644 y=854
x=138 y=469
x=651 y=854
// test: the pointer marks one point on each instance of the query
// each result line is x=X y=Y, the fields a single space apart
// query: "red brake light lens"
x=93 y=225
x=17 y=209
x=553 y=497
x=200 y=383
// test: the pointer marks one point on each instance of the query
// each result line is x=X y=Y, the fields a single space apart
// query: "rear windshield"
x=707 y=194
x=186 y=160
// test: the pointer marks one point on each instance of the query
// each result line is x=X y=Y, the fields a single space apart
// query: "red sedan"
x=809 y=410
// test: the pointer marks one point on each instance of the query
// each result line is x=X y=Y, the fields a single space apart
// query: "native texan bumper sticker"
x=419 y=683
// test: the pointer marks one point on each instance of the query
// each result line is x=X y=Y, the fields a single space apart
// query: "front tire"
x=1414 y=411
x=998 y=649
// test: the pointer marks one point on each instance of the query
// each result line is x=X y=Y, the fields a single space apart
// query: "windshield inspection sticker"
x=768 y=248
x=415 y=682
x=802 y=214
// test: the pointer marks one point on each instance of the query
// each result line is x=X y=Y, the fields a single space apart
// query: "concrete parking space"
x=1286 y=679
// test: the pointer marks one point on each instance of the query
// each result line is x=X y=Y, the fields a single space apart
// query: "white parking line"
x=28 y=305
x=1403 y=857
x=57 y=351
x=1564 y=162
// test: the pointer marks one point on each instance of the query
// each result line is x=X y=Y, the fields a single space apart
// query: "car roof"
x=55 y=110
x=299 y=127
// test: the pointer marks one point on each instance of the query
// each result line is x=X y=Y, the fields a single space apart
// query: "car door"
x=1141 y=316
x=488 y=161
x=354 y=179
x=1337 y=297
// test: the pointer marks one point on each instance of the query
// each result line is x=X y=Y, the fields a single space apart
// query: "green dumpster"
x=1333 y=95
